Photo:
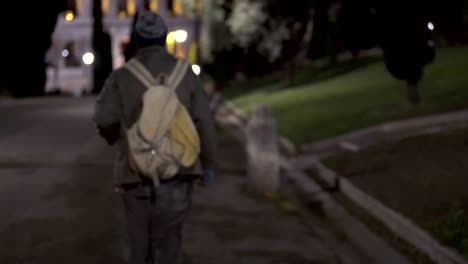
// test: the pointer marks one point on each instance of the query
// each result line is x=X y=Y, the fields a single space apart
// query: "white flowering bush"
x=272 y=41
x=246 y=21
x=249 y=24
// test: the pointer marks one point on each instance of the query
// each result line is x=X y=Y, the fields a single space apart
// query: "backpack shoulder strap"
x=178 y=73
x=140 y=72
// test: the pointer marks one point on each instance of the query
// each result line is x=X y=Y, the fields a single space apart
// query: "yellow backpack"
x=164 y=137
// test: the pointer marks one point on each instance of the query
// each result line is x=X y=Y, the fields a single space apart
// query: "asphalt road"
x=58 y=206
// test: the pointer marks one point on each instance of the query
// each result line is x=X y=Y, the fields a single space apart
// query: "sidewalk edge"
x=394 y=221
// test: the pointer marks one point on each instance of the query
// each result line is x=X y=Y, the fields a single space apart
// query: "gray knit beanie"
x=150 y=29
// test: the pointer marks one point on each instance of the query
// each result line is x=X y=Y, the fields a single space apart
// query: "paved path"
x=58 y=205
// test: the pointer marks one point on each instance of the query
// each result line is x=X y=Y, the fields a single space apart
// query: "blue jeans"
x=154 y=221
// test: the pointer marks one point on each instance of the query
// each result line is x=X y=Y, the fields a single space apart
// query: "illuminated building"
x=70 y=55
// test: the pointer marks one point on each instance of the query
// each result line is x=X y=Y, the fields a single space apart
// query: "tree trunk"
x=290 y=73
x=413 y=92
x=291 y=65
x=318 y=43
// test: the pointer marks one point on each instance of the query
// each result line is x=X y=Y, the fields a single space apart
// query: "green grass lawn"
x=364 y=96
x=306 y=74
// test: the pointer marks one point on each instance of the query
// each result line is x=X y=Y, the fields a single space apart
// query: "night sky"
x=25 y=38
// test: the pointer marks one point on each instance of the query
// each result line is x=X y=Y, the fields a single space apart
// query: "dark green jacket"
x=120 y=102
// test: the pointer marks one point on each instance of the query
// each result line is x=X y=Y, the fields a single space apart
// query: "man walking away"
x=155 y=213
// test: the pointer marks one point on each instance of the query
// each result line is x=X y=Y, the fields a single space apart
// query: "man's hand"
x=208 y=178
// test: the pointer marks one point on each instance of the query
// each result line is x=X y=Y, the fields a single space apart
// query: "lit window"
x=122 y=7
x=175 y=7
x=131 y=7
x=153 y=5
x=105 y=6
x=79 y=6
x=198 y=7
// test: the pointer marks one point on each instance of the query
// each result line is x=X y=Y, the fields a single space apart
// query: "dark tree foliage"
x=448 y=18
x=26 y=38
x=102 y=48
x=406 y=42
x=296 y=18
x=357 y=26
x=319 y=45
x=228 y=62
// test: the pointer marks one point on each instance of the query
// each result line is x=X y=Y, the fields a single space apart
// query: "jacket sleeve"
x=107 y=111
x=204 y=123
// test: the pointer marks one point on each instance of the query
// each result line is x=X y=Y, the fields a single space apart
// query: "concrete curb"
x=395 y=222
x=400 y=225
x=373 y=246
x=388 y=132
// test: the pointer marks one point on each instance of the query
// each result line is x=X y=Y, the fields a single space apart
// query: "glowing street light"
x=180 y=36
x=65 y=53
x=88 y=58
x=69 y=16
x=196 y=69
x=430 y=26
